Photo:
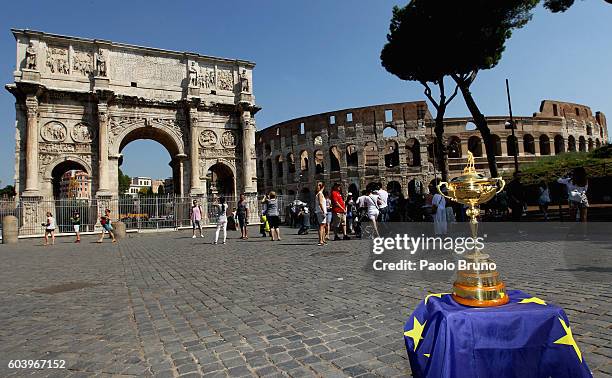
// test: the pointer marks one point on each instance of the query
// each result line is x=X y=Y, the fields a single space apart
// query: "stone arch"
x=589 y=129
x=413 y=149
x=291 y=162
x=280 y=170
x=394 y=186
x=475 y=146
x=334 y=159
x=544 y=141
x=390 y=132
x=268 y=169
x=582 y=144
x=164 y=136
x=512 y=145
x=370 y=154
x=226 y=173
x=571 y=143
x=304 y=161
x=597 y=143
x=76 y=160
x=497 y=147
x=559 y=144
x=454 y=147
x=391 y=154
x=59 y=166
x=352 y=157
x=528 y=144
x=591 y=144
x=319 y=160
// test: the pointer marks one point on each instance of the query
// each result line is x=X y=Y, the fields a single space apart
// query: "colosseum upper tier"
x=393 y=144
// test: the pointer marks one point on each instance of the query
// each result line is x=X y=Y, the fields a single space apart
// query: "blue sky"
x=315 y=56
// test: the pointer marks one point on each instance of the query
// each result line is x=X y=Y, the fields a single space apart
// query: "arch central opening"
x=148 y=166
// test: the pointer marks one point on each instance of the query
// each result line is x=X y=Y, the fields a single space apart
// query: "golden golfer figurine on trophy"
x=476 y=286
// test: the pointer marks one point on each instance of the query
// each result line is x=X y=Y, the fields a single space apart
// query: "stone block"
x=9 y=229
x=119 y=230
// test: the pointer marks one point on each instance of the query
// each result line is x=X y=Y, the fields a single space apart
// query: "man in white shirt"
x=384 y=196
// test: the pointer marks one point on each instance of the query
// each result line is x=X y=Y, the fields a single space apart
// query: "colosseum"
x=393 y=144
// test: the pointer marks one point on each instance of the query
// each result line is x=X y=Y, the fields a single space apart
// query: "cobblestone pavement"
x=168 y=305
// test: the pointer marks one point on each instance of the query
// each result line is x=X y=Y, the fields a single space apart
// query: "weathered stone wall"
x=558 y=127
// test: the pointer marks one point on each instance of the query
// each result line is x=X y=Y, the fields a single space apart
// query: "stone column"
x=249 y=162
x=31 y=185
x=103 y=186
x=504 y=148
x=196 y=187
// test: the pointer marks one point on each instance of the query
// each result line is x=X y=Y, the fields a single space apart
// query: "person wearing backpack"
x=195 y=214
x=222 y=220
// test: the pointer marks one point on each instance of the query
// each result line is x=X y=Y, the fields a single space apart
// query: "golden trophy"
x=479 y=285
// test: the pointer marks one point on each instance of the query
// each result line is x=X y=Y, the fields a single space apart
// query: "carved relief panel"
x=207 y=138
x=82 y=133
x=228 y=139
x=57 y=60
x=53 y=131
x=225 y=79
x=82 y=63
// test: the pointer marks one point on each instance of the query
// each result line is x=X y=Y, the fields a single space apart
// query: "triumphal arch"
x=79 y=102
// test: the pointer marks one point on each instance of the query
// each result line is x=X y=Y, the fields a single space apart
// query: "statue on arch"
x=100 y=64
x=193 y=75
x=31 y=57
x=244 y=82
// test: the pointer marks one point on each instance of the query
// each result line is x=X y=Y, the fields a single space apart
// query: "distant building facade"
x=75 y=184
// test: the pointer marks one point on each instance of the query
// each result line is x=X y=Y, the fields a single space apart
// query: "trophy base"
x=479 y=285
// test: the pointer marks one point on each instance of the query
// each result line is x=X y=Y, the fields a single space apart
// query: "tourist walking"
x=49 y=228
x=438 y=211
x=304 y=217
x=577 y=186
x=242 y=212
x=221 y=220
x=273 y=216
x=338 y=212
x=75 y=219
x=321 y=212
x=383 y=208
x=351 y=212
x=329 y=214
x=372 y=202
x=105 y=221
x=195 y=214
x=543 y=198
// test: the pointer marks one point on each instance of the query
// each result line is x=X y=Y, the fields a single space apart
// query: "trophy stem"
x=479 y=285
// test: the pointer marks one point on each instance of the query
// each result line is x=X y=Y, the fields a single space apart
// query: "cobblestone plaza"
x=168 y=305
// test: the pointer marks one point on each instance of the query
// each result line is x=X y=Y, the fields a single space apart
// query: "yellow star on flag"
x=426 y=355
x=535 y=300
x=439 y=295
x=568 y=339
x=416 y=332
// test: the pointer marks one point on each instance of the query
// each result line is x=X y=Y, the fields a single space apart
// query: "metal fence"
x=138 y=213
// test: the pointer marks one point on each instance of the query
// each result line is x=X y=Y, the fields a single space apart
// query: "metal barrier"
x=138 y=213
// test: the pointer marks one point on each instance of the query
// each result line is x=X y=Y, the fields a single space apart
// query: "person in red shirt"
x=338 y=212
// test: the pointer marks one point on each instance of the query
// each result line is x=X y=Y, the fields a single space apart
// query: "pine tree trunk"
x=481 y=124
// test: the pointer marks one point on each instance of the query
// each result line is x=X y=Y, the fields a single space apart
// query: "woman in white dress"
x=438 y=209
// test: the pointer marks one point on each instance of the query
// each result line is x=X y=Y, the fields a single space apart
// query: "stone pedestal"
x=30 y=75
x=100 y=82
x=253 y=205
x=9 y=230
x=119 y=230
